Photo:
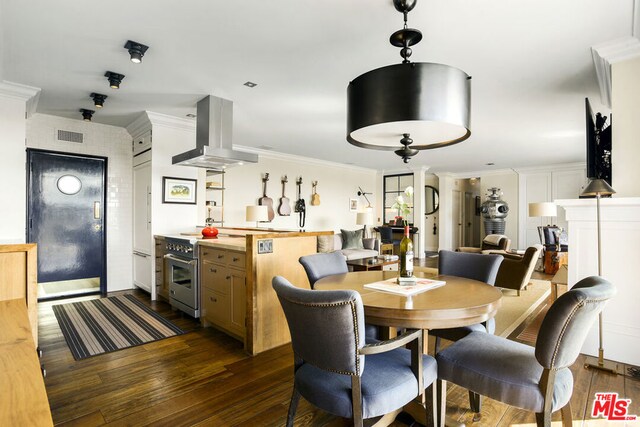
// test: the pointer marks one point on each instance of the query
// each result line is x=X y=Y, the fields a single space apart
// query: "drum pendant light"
x=409 y=106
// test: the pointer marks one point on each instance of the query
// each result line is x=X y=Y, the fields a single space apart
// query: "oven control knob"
x=189 y=249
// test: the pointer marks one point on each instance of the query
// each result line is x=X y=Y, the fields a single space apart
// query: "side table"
x=559 y=279
x=368 y=264
x=553 y=260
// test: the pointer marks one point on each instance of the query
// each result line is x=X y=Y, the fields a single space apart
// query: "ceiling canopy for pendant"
x=409 y=106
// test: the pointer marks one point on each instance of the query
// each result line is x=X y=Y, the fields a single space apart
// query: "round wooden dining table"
x=460 y=302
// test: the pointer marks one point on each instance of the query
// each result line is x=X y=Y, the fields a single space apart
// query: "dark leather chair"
x=472 y=266
x=515 y=270
x=321 y=265
x=333 y=367
x=535 y=379
x=553 y=238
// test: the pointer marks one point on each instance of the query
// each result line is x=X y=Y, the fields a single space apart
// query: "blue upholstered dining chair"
x=321 y=265
x=333 y=367
x=535 y=379
x=472 y=266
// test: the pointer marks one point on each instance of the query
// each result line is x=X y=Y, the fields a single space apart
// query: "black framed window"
x=393 y=186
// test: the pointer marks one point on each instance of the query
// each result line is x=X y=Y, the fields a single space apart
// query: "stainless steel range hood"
x=214 y=149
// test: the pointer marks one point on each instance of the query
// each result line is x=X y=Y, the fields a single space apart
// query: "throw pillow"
x=325 y=244
x=352 y=239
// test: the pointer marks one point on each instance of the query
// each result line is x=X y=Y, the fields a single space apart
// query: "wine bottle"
x=406 y=255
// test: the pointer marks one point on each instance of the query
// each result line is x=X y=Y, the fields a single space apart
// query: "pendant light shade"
x=430 y=102
x=409 y=106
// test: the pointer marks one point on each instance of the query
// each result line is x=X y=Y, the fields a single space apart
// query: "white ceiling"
x=530 y=62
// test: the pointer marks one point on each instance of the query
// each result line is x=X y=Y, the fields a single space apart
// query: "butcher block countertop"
x=23 y=399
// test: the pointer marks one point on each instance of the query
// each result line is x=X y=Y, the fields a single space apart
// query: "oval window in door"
x=69 y=184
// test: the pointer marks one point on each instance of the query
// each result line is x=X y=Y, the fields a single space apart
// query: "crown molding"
x=29 y=94
x=552 y=168
x=276 y=155
x=147 y=119
x=608 y=53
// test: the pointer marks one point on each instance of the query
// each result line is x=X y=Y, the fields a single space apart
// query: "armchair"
x=333 y=367
x=515 y=270
x=491 y=242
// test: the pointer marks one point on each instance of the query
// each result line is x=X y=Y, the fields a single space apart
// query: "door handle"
x=96 y=210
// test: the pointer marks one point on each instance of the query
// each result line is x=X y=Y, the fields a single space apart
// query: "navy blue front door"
x=66 y=215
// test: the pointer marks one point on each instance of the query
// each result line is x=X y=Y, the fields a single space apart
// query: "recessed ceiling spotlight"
x=136 y=50
x=86 y=114
x=98 y=99
x=251 y=84
x=114 y=79
x=490 y=164
x=191 y=116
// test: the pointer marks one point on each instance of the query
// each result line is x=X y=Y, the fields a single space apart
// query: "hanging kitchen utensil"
x=315 y=197
x=284 y=208
x=266 y=201
x=300 y=207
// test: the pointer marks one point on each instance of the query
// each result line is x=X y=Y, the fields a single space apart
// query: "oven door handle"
x=180 y=260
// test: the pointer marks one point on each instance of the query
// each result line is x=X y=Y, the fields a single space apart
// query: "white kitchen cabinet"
x=142 y=238
x=142 y=269
x=141 y=142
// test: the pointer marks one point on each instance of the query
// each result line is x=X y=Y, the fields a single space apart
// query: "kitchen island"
x=235 y=273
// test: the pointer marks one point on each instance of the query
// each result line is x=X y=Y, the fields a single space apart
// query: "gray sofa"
x=331 y=243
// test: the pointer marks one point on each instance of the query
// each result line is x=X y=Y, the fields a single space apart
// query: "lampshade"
x=257 y=213
x=598 y=187
x=391 y=107
x=364 y=218
x=543 y=209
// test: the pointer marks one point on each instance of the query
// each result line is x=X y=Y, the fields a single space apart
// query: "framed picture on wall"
x=179 y=190
x=353 y=205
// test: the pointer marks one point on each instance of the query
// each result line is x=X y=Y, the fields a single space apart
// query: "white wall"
x=336 y=185
x=625 y=105
x=13 y=100
x=507 y=182
x=171 y=138
x=99 y=140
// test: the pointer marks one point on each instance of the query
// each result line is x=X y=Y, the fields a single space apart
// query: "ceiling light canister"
x=86 y=114
x=114 y=79
x=98 y=99
x=136 y=50
x=409 y=106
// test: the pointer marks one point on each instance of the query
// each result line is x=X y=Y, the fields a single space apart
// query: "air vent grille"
x=67 y=135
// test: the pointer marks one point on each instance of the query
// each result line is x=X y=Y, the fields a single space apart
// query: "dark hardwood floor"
x=204 y=378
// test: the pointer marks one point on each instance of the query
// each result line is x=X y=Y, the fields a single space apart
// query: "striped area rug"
x=108 y=324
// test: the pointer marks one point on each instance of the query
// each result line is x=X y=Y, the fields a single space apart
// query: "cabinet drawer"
x=216 y=307
x=215 y=277
x=236 y=260
x=219 y=256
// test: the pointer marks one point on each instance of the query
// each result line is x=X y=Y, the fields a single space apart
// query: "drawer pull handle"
x=228 y=277
x=213 y=299
x=235 y=259
x=205 y=253
x=213 y=270
x=220 y=256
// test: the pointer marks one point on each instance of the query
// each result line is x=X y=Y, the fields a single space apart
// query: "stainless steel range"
x=182 y=267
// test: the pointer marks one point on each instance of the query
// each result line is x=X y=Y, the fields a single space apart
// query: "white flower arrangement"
x=404 y=207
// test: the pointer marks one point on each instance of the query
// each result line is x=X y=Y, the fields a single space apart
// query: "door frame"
x=103 y=275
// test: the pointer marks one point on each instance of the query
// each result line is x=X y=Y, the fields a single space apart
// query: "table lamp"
x=599 y=187
x=257 y=213
x=541 y=209
x=364 y=218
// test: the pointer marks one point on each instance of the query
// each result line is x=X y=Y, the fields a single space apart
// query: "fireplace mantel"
x=620 y=226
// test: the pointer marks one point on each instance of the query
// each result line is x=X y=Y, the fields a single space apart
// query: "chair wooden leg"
x=436 y=347
x=567 y=418
x=434 y=404
x=543 y=419
x=475 y=402
x=293 y=405
x=441 y=399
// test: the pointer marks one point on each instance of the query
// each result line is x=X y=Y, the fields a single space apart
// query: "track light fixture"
x=98 y=99
x=86 y=114
x=114 y=79
x=136 y=50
